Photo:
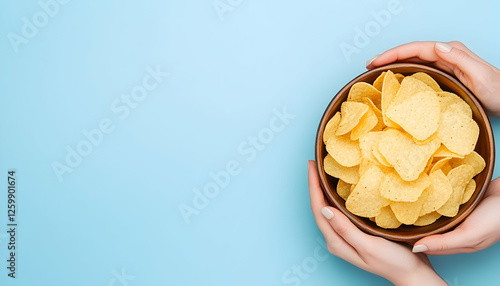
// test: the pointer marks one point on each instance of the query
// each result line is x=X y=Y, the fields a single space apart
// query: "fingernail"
x=371 y=61
x=419 y=248
x=445 y=48
x=327 y=212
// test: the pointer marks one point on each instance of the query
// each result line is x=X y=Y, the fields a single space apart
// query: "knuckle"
x=342 y=230
x=461 y=55
x=333 y=248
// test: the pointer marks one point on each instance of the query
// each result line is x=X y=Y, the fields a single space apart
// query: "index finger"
x=421 y=50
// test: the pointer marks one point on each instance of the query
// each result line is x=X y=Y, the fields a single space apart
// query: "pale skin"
x=481 y=229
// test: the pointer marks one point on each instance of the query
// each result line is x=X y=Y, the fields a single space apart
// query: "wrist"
x=424 y=275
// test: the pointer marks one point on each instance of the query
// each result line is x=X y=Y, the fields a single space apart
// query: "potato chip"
x=389 y=90
x=334 y=169
x=366 y=142
x=351 y=114
x=427 y=219
x=458 y=132
x=474 y=159
x=442 y=152
x=367 y=164
x=459 y=178
x=345 y=151
x=399 y=77
x=372 y=219
x=365 y=200
x=365 y=125
x=418 y=115
x=380 y=121
x=469 y=191
x=361 y=90
x=387 y=219
x=331 y=127
x=396 y=189
x=454 y=103
x=343 y=189
x=406 y=212
x=379 y=81
x=407 y=158
x=446 y=168
x=428 y=80
x=436 y=194
x=380 y=158
x=409 y=87
x=439 y=164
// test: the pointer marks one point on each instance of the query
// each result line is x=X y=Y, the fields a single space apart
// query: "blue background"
x=118 y=210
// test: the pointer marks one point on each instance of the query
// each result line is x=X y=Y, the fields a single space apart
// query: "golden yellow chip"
x=365 y=125
x=446 y=168
x=367 y=164
x=343 y=189
x=409 y=87
x=379 y=81
x=437 y=193
x=349 y=175
x=366 y=142
x=361 y=90
x=345 y=151
x=380 y=121
x=458 y=132
x=387 y=219
x=351 y=113
x=396 y=189
x=427 y=219
x=442 y=152
x=454 y=103
x=380 y=158
x=428 y=80
x=418 y=115
x=406 y=212
x=389 y=90
x=407 y=158
x=365 y=200
x=399 y=77
x=474 y=159
x=469 y=191
x=459 y=178
x=331 y=127
x=439 y=164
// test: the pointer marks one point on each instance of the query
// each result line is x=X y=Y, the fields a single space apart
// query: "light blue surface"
x=118 y=210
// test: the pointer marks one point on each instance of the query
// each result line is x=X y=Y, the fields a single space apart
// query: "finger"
x=421 y=50
x=452 y=251
x=463 y=64
x=461 y=46
x=450 y=243
x=344 y=227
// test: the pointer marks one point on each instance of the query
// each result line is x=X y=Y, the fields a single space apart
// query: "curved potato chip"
x=406 y=212
x=407 y=158
x=474 y=159
x=387 y=219
x=458 y=132
x=389 y=90
x=396 y=189
x=365 y=199
x=331 y=127
x=379 y=81
x=439 y=164
x=399 y=77
x=367 y=164
x=459 y=178
x=454 y=103
x=409 y=87
x=351 y=113
x=343 y=189
x=349 y=175
x=366 y=142
x=469 y=191
x=380 y=158
x=345 y=151
x=437 y=193
x=442 y=151
x=361 y=90
x=427 y=219
x=365 y=125
x=418 y=115
x=428 y=80
x=380 y=121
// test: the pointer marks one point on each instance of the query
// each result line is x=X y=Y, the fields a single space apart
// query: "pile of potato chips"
x=403 y=150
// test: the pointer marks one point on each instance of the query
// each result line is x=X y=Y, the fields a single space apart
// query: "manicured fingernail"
x=327 y=212
x=369 y=62
x=445 y=48
x=420 y=248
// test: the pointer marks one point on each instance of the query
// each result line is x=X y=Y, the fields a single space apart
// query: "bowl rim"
x=407 y=237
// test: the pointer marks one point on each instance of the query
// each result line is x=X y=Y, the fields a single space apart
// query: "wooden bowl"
x=485 y=147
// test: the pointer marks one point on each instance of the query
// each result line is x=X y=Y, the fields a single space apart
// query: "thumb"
x=460 y=61
x=448 y=243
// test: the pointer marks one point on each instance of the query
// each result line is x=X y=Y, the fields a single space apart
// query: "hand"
x=480 y=230
x=480 y=77
x=390 y=260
